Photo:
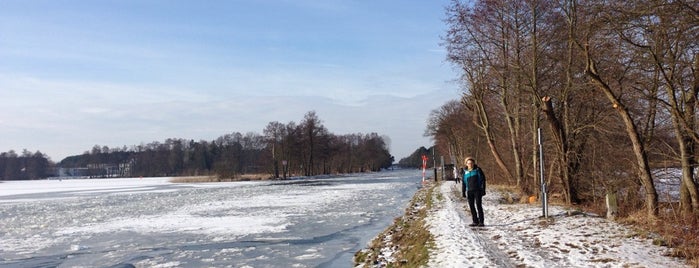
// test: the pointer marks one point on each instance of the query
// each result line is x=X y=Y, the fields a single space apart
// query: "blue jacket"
x=474 y=180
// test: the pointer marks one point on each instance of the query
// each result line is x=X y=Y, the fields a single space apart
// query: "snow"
x=79 y=185
x=151 y=222
x=516 y=236
x=103 y=219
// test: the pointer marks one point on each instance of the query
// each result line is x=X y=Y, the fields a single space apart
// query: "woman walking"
x=474 y=183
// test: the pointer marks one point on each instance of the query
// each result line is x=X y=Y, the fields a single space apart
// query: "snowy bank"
x=516 y=236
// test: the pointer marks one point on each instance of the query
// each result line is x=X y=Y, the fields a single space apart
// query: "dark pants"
x=475 y=203
x=463 y=190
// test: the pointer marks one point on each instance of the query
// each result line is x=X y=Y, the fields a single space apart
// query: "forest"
x=611 y=85
x=283 y=150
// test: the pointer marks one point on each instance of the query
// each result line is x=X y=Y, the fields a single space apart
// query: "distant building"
x=98 y=171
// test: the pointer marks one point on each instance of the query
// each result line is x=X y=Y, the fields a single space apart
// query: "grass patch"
x=510 y=193
x=670 y=230
x=681 y=234
x=194 y=179
x=406 y=243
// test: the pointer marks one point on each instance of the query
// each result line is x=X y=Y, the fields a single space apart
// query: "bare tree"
x=667 y=32
x=451 y=131
x=312 y=129
x=609 y=68
x=274 y=134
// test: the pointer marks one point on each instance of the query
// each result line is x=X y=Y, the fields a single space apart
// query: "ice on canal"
x=147 y=222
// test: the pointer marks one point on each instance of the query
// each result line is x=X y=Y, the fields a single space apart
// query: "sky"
x=75 y=74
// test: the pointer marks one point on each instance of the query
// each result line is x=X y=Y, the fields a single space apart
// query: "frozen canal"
x=150 y=222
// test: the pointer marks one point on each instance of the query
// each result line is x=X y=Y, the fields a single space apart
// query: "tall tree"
x=311 y=129
x=612 y=68
x=274 y=135
x=667 y=32
x=451 y=132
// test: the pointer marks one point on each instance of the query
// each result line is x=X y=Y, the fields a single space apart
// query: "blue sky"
x=74 y=74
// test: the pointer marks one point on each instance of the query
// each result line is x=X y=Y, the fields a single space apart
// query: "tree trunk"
x=689 y=197
x=513 y=127
x=689 y=145
x=632 y=131
x=683 y=120
x=562 y=146
x=485 y=126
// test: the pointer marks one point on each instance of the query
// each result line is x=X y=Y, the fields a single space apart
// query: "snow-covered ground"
x=516 y=236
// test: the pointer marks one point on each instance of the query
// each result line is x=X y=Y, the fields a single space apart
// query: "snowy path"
x=458 y=244
x=515 y=236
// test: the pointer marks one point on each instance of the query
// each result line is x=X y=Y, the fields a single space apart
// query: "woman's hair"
x=470 y=159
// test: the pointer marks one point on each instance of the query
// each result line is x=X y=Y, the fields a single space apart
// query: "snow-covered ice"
x=516 y=235
x=151 y=222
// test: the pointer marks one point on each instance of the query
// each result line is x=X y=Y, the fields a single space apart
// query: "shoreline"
x=434 y=232
x=406 y=242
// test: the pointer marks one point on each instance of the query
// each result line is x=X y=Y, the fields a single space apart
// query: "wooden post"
x=612 y=207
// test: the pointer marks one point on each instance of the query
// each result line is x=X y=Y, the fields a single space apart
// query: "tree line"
x=25 y=166
x=414 y=160
x=291 y=149
x=612 y=85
